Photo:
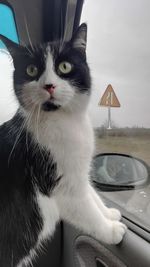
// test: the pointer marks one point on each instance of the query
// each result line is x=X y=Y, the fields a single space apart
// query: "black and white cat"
x=46 y=151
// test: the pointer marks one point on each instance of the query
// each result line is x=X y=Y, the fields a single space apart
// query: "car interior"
x=49 y=20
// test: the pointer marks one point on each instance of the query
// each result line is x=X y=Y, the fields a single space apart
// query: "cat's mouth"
x=50 y=105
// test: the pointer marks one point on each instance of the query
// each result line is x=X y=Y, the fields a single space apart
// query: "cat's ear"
x=79 y=38
x=12 y=47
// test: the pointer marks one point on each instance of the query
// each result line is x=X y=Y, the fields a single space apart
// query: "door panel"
x=83 y=251
x=89 y=252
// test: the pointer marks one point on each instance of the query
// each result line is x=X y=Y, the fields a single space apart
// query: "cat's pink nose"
x=49 y=88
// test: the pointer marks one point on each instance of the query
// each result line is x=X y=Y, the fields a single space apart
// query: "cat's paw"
x=113 y=214
x=118 y=231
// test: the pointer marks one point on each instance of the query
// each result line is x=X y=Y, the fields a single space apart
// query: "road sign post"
x=109 y=99
x=109 y=118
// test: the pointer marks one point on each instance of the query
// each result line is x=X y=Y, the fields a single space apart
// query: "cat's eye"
x=65 y=67
x=32 y=70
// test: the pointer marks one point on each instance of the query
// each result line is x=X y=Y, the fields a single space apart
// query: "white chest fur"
x=50 y=215
x=70 y=140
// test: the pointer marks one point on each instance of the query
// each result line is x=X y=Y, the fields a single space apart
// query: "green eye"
x=32 y=70
x=65 y=67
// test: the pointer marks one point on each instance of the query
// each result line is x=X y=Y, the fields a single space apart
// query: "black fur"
x=21 y=171
x=79 y=76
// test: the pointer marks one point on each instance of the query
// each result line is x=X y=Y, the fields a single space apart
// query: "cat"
x=46 y=152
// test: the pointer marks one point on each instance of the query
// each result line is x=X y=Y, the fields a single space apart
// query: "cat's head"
x=49 y=77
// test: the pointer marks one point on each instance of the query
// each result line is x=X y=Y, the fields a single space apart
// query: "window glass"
x=8 y=103
x=7 y=24
x=119 y=55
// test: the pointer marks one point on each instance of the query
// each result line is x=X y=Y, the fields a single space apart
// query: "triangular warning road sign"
x=109 y=98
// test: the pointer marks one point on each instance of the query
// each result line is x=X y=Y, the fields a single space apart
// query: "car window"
x=7 y=24
x=119 y=57
x=8 y=103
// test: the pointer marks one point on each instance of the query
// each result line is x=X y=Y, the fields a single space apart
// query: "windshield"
x=119 y=57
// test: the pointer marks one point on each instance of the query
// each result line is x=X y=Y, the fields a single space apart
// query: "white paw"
x=118 y=231
x=114 y=214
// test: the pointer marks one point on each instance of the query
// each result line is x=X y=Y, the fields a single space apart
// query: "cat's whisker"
x=37 y=129
x=27 y=29
x=27 y=100
x=66 y=35
x=18 y=137
x=12 y=259
x=27 y=48
x=29 y=104
x=28 y=124
x=16 y=141
x=36 y=124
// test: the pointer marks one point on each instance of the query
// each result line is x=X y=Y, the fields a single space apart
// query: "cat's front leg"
x=110 y=213
x=84 y=214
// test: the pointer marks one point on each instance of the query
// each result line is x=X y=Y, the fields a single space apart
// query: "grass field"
x=133 y=143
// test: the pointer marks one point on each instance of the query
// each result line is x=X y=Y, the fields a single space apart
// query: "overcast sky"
x=118 y=54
